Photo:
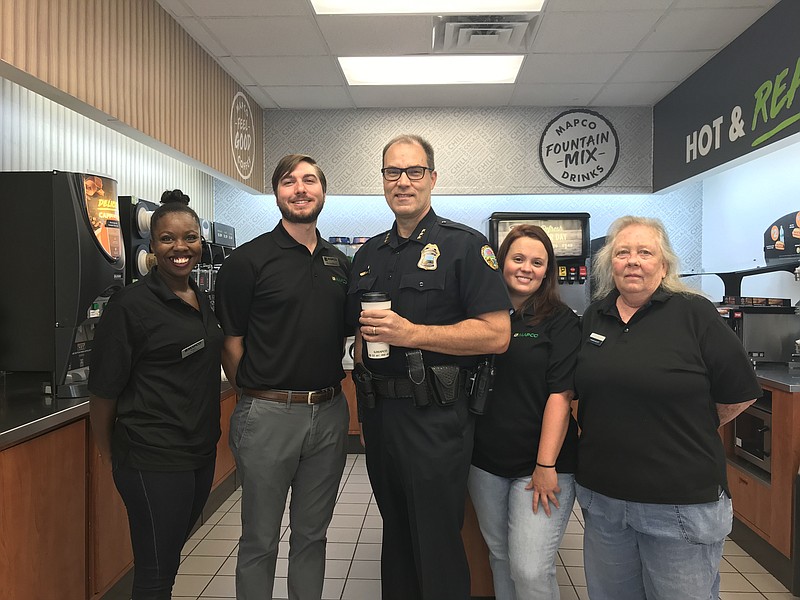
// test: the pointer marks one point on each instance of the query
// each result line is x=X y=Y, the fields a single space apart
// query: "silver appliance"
x=753 y=433
x=767 y=332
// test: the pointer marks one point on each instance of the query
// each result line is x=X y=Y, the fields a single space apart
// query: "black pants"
x=418 y=462
x=162 y=509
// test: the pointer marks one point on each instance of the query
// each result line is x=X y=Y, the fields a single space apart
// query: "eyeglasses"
x=413 y=173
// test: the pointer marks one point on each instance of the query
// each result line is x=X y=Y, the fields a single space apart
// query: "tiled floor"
x=354 y=537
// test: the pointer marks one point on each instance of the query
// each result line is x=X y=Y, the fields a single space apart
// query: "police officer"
x=281 y=301
x=449 y=307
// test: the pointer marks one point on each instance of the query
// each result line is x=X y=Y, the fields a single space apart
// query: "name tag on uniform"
x=330 y=261
x=596 y=339
x=196 y=347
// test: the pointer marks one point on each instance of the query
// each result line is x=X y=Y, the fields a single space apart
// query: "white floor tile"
x=222 y=586
x=362 y=589
x=201 y=565
x=352 y=570
x=190 y=585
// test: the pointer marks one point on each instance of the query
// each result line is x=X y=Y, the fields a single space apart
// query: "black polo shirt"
x=289 y=306
x=540 y=361
x=146 y=355
x=463 y=283
x=648 y=395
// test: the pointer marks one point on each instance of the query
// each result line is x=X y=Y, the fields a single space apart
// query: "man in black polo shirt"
x=449 y=302
x=281 y=299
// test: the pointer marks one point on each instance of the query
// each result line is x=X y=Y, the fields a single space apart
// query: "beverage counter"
x=765 y=503
x=63 y=525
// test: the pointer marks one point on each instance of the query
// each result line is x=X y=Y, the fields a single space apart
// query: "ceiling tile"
x=632 y=94
x=275 y=36
x=549 y=94
x=589 y=32
x=569 y=68
x=240 y=74
x=310 y=97
x=248 y=8
x=259 y=96
x=176 y=8
x=725 y=3
x=377 y=35
x=661 y=66
x=293 y=70
x=413 y=96
x=598 y=52
x=595 y=5
x=194 y=27
x=700 y=29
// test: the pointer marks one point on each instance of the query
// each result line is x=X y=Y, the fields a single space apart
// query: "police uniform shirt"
x=647 y=393
x=289 y=306
x=540 y=361
x=443 y=273
x=159 y=358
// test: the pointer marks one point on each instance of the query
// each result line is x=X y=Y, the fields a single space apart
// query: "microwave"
x=753 y=433
x=767 y=333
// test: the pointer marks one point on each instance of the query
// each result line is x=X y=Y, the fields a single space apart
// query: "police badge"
x=488 y=256
x=428 y=257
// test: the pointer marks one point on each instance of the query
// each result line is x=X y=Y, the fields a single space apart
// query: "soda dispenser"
x=66 y=258
x=569 y=233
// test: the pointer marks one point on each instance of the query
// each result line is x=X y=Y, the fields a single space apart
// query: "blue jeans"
x=634 y=551
x=279 y=446
x=522 y=545
x=162 y=506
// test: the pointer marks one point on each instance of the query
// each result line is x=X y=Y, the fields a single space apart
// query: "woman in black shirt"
x=154 y=404
x=521 y=481
x=658 y=372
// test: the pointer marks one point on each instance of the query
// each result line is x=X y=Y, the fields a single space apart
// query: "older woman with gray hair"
x=658 y=372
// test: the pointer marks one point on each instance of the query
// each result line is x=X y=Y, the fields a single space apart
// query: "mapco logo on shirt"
x=526 y=335
x=579 y=149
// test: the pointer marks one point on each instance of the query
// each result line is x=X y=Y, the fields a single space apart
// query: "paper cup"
x=376 y=301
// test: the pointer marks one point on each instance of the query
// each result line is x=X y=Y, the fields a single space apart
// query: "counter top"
x=26 y=412
x=780 y=377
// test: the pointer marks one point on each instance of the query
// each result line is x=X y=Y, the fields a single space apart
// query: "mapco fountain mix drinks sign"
x=746 y=97
x=579 y=149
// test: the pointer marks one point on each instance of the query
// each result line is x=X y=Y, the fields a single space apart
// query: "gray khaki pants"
x=278 y=446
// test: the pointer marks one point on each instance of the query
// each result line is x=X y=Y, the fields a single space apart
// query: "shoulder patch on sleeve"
x=488 y=256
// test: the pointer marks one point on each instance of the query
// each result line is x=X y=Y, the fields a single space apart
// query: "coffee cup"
x=376 y=301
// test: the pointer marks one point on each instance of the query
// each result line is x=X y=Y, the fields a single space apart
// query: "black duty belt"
x=295 y=397
x=392 y=387
x=402 y=387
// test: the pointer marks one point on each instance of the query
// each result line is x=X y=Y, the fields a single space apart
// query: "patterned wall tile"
x=351 y=216
x=478 y=150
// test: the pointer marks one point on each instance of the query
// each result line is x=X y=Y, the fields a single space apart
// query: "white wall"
x=39 y=135
x=738 y=206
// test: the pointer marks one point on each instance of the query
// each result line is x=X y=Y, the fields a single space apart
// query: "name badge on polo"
x=596 y=339
x=196 y=347
x=330 y=261
x=428 y=257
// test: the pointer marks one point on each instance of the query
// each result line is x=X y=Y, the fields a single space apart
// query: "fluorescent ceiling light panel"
x=430 y=70
x=425 y=7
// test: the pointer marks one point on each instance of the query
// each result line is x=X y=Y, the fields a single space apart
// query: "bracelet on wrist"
x=538 y=464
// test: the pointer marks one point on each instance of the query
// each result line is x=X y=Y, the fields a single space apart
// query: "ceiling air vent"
x=483 y=34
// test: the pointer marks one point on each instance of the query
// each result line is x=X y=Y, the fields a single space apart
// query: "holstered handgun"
x=365 y=391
